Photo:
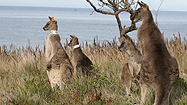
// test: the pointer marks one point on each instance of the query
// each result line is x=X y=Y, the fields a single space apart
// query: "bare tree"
x=161 y=2
x=115 y=8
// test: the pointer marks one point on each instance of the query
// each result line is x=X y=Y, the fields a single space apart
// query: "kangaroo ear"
x=72 y=36
x=141 y=3
x=49 y=18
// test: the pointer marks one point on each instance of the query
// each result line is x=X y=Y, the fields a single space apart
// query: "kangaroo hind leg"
x=126 y=78
x=162 y=96
x=144 y=89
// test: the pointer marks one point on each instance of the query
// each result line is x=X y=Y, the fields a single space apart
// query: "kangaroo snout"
x=44 y=29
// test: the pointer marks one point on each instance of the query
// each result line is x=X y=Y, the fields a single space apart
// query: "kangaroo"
x=159 y=70
x=81 y=61
x=131 y=69
x=59 y=67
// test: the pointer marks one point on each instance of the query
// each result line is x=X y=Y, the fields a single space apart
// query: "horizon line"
x=71 y=7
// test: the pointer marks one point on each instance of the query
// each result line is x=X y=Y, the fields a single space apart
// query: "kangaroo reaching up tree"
x=159 y=70
x=131 y=69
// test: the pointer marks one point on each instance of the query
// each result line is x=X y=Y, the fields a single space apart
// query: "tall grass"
x=23 y=78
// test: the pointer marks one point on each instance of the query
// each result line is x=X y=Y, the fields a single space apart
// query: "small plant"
x=36 y=91
x=88 y=90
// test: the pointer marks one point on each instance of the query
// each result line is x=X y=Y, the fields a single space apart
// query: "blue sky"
x=168 y=5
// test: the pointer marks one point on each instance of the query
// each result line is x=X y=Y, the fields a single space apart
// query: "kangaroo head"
x=125 y=43
x=51 y=25
x=141 y=13
x=74 y=41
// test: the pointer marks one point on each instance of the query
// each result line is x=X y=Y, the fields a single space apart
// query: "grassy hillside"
x=23 y=79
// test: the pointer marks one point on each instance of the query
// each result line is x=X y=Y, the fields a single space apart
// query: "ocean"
x=22 y=25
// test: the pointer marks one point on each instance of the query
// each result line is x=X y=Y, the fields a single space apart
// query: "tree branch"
x=119 y=23
x=121 y=10
x=128 y=29
x=157 y=12
x=97 y=10
x=117 y=7
x=116 y=12
x=104 y=3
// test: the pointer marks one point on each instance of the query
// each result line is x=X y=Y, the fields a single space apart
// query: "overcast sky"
x=168 y=5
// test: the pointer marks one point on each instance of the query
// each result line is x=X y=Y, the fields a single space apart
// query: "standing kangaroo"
x=59 y=67
x=131 y=69
x=81 y=61
x=159 y=70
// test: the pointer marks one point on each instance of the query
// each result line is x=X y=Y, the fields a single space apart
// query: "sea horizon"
x=23 y=23
x=76 y=8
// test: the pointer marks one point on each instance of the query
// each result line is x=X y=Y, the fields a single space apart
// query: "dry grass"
x=23 y=79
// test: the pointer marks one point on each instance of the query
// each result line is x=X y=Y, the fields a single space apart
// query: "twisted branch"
x=115 y=5
x=97 y=10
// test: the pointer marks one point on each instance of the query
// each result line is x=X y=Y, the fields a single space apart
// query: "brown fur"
x=81 y=61
x=159 y=70
x=59 y=67
x=131 y=69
